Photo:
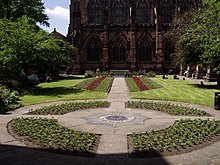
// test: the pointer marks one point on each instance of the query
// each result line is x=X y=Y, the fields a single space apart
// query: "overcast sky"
x=58 y=12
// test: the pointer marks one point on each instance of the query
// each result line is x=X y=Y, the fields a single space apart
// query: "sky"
x=58 y=13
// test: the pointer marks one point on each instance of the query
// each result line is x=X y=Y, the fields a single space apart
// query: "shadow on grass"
x=205 y=86
x=10 y=154
x=61 y=78
x=70 y=77
x=54 y=91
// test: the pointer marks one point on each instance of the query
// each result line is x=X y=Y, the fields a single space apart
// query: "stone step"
x=119 y=72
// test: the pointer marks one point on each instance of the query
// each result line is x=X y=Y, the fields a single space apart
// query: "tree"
x=24 y=47
x=204 y=34
x=14 y=9
x=183 y=53
x=200 y=36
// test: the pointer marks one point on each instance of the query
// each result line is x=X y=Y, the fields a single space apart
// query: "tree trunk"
x=26 y=77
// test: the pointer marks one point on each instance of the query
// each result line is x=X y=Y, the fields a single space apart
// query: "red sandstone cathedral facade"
x=123 y=34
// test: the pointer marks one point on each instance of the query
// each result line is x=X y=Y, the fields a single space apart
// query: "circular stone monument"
x=116 y=119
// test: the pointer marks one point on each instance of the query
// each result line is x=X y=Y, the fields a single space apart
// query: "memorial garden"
x=49 y=114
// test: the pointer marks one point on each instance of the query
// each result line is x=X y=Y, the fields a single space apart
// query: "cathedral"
x=124 y=34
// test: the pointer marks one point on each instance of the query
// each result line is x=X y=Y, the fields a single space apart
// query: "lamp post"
x=156 y=34
x=156 y=26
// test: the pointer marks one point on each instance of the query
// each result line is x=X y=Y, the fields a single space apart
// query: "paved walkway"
x=113 y=143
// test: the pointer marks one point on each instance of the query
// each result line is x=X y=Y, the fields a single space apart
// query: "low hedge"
x=64 y=108
x=48 y=134
x=168 y=107
x=182 y=135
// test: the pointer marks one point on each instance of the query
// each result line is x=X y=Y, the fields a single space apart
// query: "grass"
x=179 y=90
x=58 y=91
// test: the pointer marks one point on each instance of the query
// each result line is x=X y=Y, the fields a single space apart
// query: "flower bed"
x=137 y=84
x=48 y=134
x=150 y=83
x=84 y=83
x=59 y=109
x=183 y=135
x=102 y=84
x=105 y=85
x=92 y=86
x=140 y=84
x=168 y=107
x=132 y=85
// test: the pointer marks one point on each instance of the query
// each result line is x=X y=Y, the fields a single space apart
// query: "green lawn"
x=179 y=90
x=59 y=90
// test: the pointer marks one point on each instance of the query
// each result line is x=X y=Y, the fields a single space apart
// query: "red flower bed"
x=94 y=84
x=140 y=84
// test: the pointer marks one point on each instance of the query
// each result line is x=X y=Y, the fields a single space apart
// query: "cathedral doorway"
x=118 y=54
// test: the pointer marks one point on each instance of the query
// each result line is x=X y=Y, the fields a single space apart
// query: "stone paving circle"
x=116 y=119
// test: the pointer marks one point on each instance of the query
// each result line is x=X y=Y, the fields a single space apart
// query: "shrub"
x=12 y=84
x=128 y=74
x=151 y=74
x=89 y=74
x=8 y=99
x=33 y=80
x=140 y=73
x=106 y=74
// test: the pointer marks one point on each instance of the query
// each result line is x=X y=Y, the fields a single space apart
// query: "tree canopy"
x=204 y=34
x=14 y=9
x=23 y=47
x=197 y=36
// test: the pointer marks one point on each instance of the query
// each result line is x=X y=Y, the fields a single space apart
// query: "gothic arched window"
x=118 y=50
x=145 y=49
x=167 y=11
x=142 y=12
x=119 y=12
x=94 y=49
x=95 y=12
x=168 y=50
